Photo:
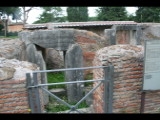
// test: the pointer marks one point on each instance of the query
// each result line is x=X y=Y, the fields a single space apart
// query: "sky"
x=34 y=14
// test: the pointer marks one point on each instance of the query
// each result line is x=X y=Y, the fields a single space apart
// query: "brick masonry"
x=13 y=90
x=13 y=96
x=128 y=76
x=90 y=43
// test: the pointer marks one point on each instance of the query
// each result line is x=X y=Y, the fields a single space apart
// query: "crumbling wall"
x=128 y=75
x=150 y=32
x=12 y=49
x=90 y=43
x=13 y=91
x=61 y=39
x=123 y=34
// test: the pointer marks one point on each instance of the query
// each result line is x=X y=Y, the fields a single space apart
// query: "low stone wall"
x=13 y=91
x=128 y=76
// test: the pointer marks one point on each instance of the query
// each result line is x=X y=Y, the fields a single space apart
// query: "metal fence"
x=34 y=96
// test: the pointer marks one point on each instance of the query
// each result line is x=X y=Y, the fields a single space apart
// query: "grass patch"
x=55 y=78
x=54 y=106
x=88 y=77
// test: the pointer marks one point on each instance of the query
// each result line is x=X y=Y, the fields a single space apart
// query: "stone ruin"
x=36 y=47
x=72 y=42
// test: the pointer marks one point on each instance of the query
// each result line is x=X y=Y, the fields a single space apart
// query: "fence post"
x=37 y=96
x=108 y=89
x=30 y=95
x=111 y=80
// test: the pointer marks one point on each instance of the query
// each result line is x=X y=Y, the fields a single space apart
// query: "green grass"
x=52 y=107
x=88 y=77
x=55 y=78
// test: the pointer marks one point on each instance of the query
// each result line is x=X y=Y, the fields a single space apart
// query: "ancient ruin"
x=120 y=45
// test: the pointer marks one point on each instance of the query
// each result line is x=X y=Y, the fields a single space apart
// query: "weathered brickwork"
x=15 y=27
x=13 y=89
x=90 y=43
x=13 y=96
x=128 y=75
x=123 y=37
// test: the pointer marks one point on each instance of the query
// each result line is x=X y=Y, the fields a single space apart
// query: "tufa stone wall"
x=13 y=91
x=128 y=76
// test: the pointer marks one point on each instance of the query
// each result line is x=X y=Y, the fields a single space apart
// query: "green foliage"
x=10 y=11
x=12 y=34
x=111 y=14
x=55 y=78
x=148 y=14
x=131 y=17
x=88 y=77
x=9 y=34
x=92 y=19
x=1 y=27
x=55 y=106
x=51 y=14
x=77 y=14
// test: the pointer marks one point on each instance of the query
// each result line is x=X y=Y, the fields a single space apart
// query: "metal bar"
x=74 y=110
x=88 y=94
x=40 y=85
x=37 y=94
x=106 y=89
x=142 y=101
x=51 y=94
x=36 y=85
x=110 y=75
x=67 y=69
x=30 y=100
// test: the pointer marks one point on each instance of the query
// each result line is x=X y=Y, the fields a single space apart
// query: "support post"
x=30 y=91
x=108 y=89
x=142 y=101
x=37 y=96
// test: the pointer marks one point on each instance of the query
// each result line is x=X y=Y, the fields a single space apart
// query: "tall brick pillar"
x=128 y=74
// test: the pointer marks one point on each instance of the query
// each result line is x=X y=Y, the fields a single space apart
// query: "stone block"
x=74 y=59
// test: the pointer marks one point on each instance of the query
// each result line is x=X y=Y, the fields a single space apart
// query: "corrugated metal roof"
x=78 y=24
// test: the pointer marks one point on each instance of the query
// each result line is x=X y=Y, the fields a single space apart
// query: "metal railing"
x=33 y=86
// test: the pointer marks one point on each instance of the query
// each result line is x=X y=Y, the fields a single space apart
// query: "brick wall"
x=90 y=43
x=13 y=96
x=128 y=76
x=123 y=37
x=15 y=27
x=13 y=91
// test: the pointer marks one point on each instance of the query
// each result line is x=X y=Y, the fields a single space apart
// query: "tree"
x=9 y=11
x=92 y=19
x=148 y=14
x=77 y=14
x=5 y=12
x=23 y=14
x=111 y=13
x=131 y=17
x=51 y=14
